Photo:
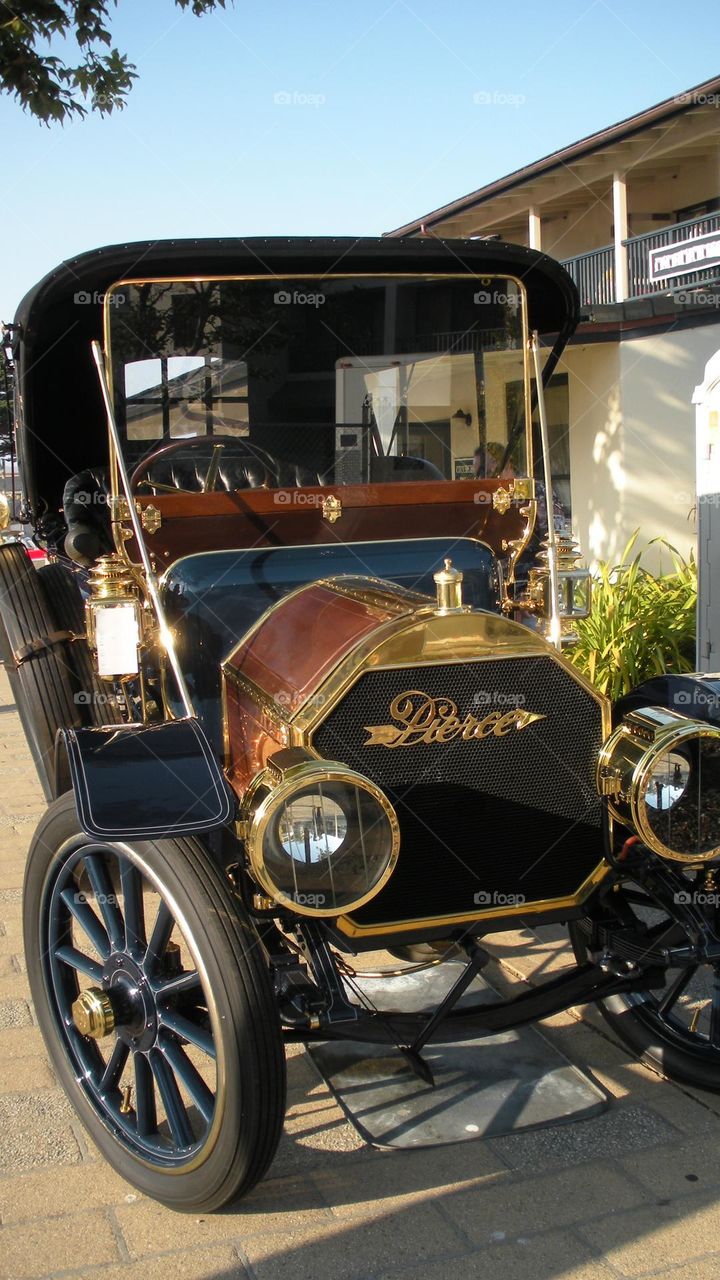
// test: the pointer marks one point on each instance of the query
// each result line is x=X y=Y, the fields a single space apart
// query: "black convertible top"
x=61 y=427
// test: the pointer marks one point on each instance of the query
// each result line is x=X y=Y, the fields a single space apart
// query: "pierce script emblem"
x=422 y=719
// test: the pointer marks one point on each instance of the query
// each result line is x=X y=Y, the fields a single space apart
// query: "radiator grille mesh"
x=482 y=820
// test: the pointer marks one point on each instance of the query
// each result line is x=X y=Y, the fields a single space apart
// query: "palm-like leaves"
x=640 y=625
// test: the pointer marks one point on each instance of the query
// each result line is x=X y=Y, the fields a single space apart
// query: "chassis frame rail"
x=586 y=984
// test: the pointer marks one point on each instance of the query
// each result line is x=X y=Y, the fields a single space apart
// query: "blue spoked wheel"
x=154 y=999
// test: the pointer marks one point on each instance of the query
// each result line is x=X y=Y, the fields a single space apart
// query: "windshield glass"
x=318 y=381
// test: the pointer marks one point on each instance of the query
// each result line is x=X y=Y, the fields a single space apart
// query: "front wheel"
x=156 y=1007
x=676 y=1028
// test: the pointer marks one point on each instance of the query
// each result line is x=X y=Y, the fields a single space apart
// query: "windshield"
x=322 y=381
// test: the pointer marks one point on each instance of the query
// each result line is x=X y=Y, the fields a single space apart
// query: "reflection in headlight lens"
x=312 y=828
x=668 y=781
x=682 y=799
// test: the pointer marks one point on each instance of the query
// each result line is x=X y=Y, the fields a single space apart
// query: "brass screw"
x=695 y=1019
x=126 y=1104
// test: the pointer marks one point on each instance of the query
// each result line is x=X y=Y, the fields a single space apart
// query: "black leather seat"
x=295 y=475
x=86 y=504
x=240 y=466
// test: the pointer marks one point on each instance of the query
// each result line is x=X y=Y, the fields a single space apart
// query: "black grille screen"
x=489 y=821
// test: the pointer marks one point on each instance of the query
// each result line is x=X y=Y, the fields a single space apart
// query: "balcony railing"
x=594 y=272
x=594 y=275
x=639 y=249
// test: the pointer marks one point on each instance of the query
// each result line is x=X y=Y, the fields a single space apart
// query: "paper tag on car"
x=117 y=639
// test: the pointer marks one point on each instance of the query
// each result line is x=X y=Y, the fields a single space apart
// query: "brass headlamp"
x=661 y=774
x=321 y=838
x=114 y=618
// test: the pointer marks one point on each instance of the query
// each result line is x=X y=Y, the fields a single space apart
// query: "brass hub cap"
x=93 y=1013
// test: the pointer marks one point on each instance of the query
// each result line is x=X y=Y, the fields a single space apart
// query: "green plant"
x=640 y=625
x=43 y=83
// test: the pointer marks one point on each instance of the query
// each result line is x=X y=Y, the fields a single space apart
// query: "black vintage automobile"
x=294 y=684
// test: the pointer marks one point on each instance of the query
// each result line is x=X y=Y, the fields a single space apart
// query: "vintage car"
x=295 y=685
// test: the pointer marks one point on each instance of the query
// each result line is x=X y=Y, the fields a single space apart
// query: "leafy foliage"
x=43 y=83
x=640 y=625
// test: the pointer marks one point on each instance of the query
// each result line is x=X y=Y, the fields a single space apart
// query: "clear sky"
x=327 y=117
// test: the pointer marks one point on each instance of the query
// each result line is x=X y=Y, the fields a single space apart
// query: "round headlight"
x=661 y=772
x=321 y=839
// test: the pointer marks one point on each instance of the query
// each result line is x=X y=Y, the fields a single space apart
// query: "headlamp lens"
x=682 y=798
x=327 y=846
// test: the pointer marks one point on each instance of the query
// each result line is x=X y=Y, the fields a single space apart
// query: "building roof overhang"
x=651 y=134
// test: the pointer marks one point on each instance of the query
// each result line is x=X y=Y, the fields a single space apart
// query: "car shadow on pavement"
x=633 y=1191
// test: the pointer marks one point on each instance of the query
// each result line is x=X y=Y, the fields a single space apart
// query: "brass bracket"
x=331 y=508
x=609 y=781
x=119 y=509
x=502 y=500
x=150 y=517
x=521 y=489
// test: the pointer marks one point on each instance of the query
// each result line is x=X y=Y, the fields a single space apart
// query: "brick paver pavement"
x=635 y=1192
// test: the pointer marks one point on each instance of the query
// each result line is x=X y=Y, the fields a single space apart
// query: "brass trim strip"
x=267 y=704
x=352 y=929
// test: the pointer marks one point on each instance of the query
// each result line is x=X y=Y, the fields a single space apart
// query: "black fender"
x=696 y=696
x=137 y=781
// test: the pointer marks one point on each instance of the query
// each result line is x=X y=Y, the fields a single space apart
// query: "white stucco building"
x=634 y=213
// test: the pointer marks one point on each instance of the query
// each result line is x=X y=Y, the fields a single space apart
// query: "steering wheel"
x=199 y=444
